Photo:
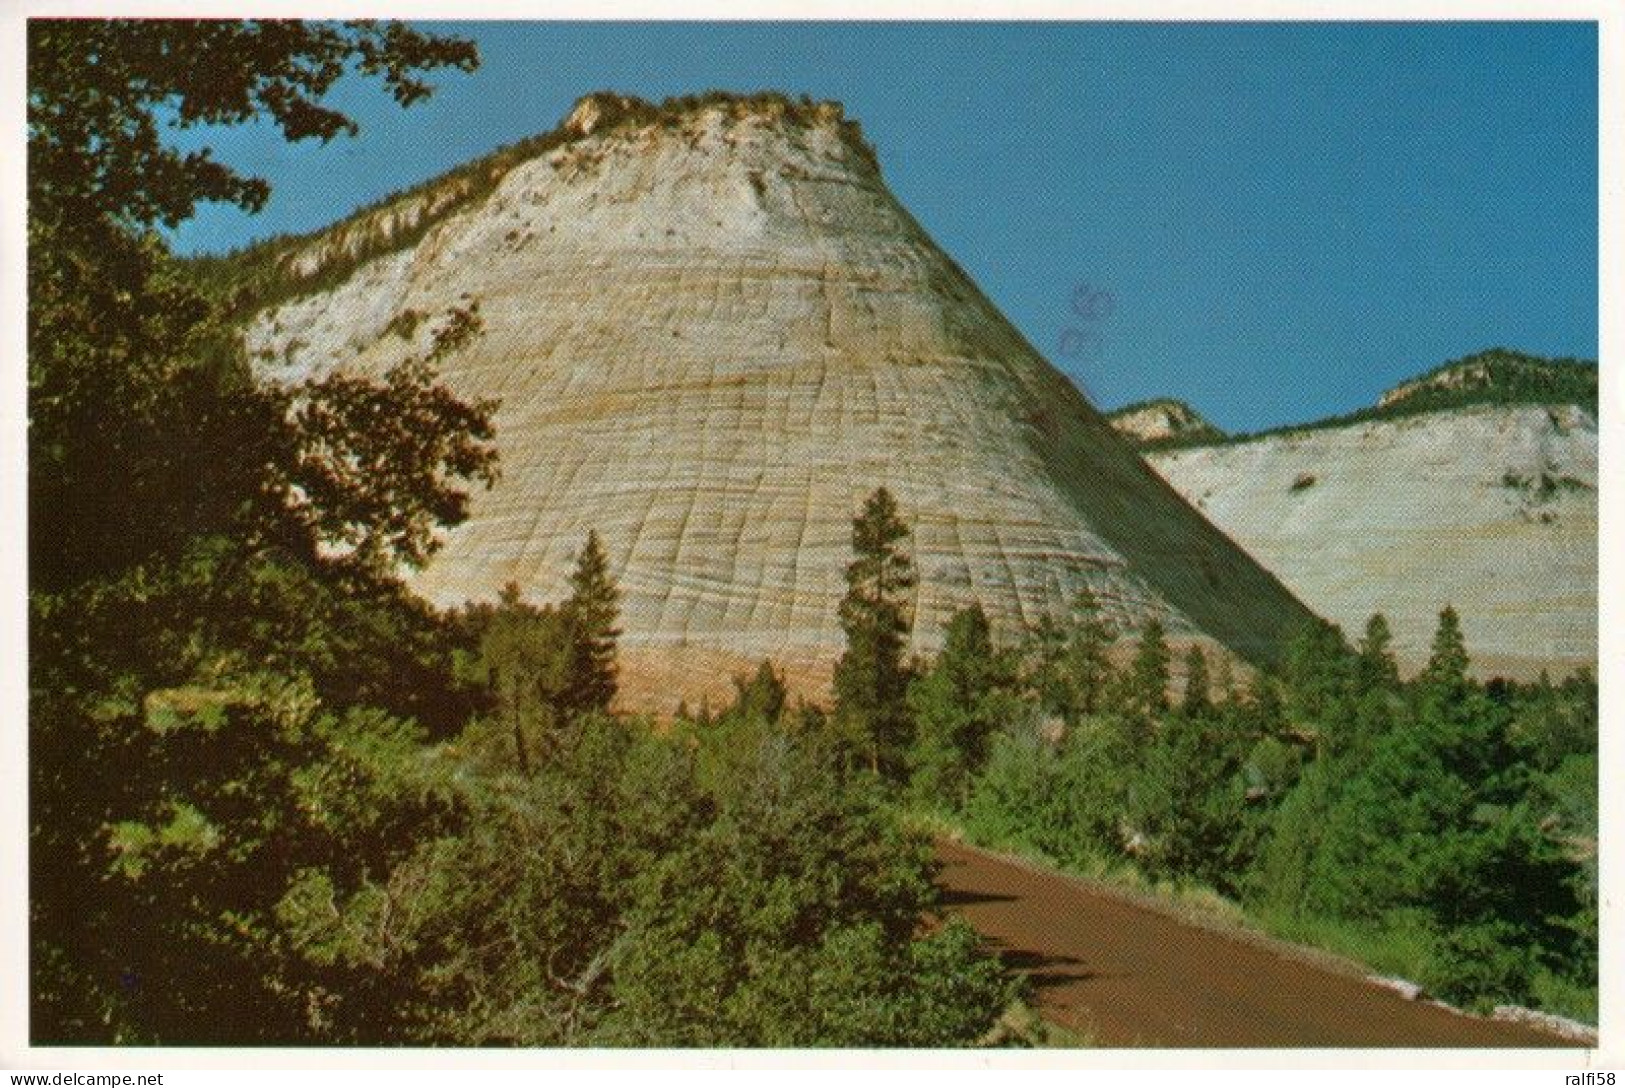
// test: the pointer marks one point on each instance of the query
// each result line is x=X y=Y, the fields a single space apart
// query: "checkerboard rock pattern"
x=712 y=336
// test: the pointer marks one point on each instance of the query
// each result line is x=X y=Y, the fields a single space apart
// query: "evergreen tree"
x=762 y=697
x=1445 y=675
x=1375 y=696
x=1553 y=723
x=1042 y=666
x=1198 y=698
x=871 y=677
x=1318 y=677
x=1377 y=667
x=1088 y=667
x=1145 y=688
x=1261 y=706
x=528 y=656
x=957 y=707
x=592 y=609
x=1186 y=803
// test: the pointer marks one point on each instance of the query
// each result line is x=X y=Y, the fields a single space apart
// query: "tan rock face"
x=1466 y=376
x=1157 y=420
x=712 y=337
x=1490 y=509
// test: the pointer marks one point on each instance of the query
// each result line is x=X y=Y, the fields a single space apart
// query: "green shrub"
x=1482 y=965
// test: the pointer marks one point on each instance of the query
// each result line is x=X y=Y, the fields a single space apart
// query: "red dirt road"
x=1128 y=975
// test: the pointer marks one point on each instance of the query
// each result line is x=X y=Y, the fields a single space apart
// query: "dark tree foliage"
x=545 y=668
x=139 y=399
x=1318 y=677
x=98 y=88
x=176 y=544
x=1186 y=802
x=1144 y=689
x=1067 y=665
x=379 y=464
x=1445 y=676
x=270 y=812
x=1198 y=698
x=790 y=917
x=957 y=705
x=527 y=657
x=1377 y=667
x=592 y=609
x=761 y=696
x=1085 y=661
x=1039 y=660
x=871 y=676
x=1554 y=723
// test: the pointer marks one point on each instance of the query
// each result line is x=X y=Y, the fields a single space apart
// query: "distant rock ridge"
x=713 y=331
x=593 y=111
x=1154 y=421
x=1512 y=374
x=1454 y=378
x=1495 y=376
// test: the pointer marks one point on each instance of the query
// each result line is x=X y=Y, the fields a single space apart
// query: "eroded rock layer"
x=713 y=332
x=1491 y=509
x=1157 y=421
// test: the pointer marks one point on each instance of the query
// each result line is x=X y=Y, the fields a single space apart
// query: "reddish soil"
x=1125 y=974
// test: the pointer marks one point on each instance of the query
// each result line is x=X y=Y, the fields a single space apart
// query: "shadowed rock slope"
x=713 y=332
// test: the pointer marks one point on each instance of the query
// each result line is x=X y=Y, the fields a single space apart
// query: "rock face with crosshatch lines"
x=1491 y=509
x=714 y=331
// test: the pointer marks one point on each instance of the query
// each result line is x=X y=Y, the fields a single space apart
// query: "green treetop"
x=762 y=696
x=1446 y=670
x=1198 y=697
x=871 y=677
x=1377 y=667
x=1087 y=667
x=592 y=608
x=958 y=705
x=1145 y=688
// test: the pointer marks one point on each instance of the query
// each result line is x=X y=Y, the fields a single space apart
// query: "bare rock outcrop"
x=1158 y=421
x=713 y=331
x=1490 y=508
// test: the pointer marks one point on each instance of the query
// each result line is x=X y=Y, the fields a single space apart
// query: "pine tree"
x=592 y=609
x=957 y=707
x=762 y=697
x=1042 y=664
x=1377 y=667
x=1262 y=708
x=1446 y=671
x=502 y=656
x=527 y=656
x=1146 y=686
x=1319 y=686
x=1088 y=667
x=871 y=677
x=1198 y=699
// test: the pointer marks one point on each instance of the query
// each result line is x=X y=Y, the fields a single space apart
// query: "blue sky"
x=1281 y=219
